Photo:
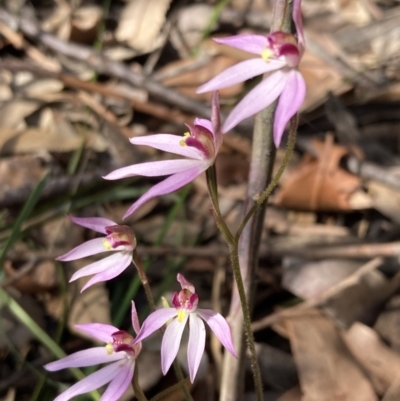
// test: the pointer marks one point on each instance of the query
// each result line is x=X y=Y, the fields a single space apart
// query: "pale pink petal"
x=91 y=247
x=249 y=43
x=154 y=169
x=240 y=72
x=185 y=284
x=88 y=357
x=167 y=186
x=98 y=224
x=289 y=103
x=101 y=265
x=154 y=321
x=168 y=143
x=216 y=119
x=92 y=382
x=170 y=342
x=298 y=21
x=113 y=271
x=197 y=342
x=219 y=326
x=257 y=99
x=99 y=331
x=120 y=383
x=204 y=123
x=135 y=319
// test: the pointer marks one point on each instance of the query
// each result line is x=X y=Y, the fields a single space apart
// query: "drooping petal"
x=154 y=169
x=257 y=99
x=154 y=321
x=219 y=326
x=101 y=265
x=197 y=342
x=168 y=143
x=240 y=72
x=167 y=186
x=92 y=382
x=216 y=120
x=87 y=357
x=113 y=271
x=99 y=331
x=185 y=284
x=298 y=21
x=88 y=248
x=289 y=103
x=249 y=43
x=93 y=223
x=120 y=383
x=171 y=341
x=135 y=319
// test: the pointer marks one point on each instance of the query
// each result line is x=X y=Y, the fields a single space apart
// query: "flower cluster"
x=280 y=54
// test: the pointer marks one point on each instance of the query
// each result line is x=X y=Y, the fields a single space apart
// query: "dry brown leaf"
x=385 y=199
x=307 y=280
x=186 y=76
x=393 y=394
x=326 y=370
x=319 y=183
x=141 y=22
x=294 y=394
x=380 y=362
x=12 y=113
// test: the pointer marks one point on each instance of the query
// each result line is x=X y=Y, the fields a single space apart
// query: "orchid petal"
x=257 y=99
x=298 y=21
x=240 y=72
x=219 y=326
x=119 y=384
x=216 y=119
x=87 y=357
x=154 y=169
x=197 y=342
x=98 y=224
x=185 y=284
x=167 y=186
x=88 y=248
x=91 y=382
x=168 y=143
x=100 y=265
x=290 y=101
x=99 y=331
x=249 y=43
x=154 y=321
x=203 y=123
x=171 y=341
x=135 y=319
x=113 y=271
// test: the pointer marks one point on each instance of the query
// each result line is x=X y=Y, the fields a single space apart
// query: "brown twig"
x=103 y=65
x=319 y=299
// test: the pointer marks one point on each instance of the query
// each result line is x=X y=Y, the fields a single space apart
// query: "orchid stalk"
x=120 y=353
x=279 y=55
x=200 y=146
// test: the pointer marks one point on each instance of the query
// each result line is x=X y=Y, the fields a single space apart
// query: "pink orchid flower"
x=120 y=352
x=280 y=54
x=185 y=308
x=200 y=145
x=119 y=239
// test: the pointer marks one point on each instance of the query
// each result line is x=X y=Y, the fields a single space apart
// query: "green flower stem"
x=139 y=394
x=170 y=390
x=275 y=180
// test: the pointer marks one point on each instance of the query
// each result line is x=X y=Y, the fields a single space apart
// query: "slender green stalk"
x=136 y=387
x=170 y=390
x=275 y=180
